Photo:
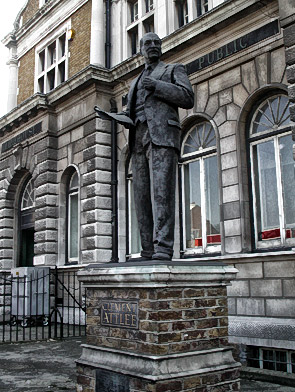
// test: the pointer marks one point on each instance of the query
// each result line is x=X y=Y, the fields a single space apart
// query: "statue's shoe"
x=161 y=256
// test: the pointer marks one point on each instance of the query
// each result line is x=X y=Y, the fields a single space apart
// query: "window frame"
x=254 y=139
x=275 y=351
x=200 y=156
x=129 y=228
x=57 y=63
x=70 y=193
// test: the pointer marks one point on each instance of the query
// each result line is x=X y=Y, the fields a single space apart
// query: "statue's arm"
x=180 y=92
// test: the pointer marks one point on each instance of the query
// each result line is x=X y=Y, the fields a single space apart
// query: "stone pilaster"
x=157 y=327
x=287 y=21
x=46 y=199
x=96 y=200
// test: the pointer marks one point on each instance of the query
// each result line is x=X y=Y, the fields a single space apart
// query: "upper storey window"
x=272 y=174
x=52 y=64
x=149 y=5
x=203 y=6
x=133 y=11
x=140 y=20
x=182 y=12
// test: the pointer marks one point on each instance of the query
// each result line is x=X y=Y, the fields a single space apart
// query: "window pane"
x=272 y=114
x=73 y=229
x=41 y=85
x=281 y=361
x=265 y=180
x=288 y=183
x=41 y=61
x=193 y=216
x=293 y=362
x=135 y=236
x=62 y=46
x=268 y=359
x=50 y=80
x=212 y=201
x=200 y=137
x=51 y=53
x=28 y=197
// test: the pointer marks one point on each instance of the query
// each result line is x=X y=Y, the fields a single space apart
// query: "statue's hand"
x=149 y=83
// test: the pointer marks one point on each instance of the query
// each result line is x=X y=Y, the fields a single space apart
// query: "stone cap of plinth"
x=157 y=274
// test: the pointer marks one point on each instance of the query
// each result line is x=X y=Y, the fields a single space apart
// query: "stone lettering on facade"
x=233 y=47
x=21 y=137
x=122 y=314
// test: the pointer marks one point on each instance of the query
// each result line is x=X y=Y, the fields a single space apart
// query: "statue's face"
x=151 y=47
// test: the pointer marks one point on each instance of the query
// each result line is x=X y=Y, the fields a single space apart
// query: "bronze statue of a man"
x=154 y=141
x=153 y=101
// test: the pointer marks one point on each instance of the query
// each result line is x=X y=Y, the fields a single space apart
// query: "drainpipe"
x=108 y=34
x=114 y=184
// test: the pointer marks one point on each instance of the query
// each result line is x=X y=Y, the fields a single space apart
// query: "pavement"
x=49 y=366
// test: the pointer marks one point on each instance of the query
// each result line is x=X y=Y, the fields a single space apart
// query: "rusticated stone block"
x=289 y=35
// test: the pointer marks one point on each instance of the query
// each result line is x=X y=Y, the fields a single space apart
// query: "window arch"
x=73 y=219
x=27 y=224
x=272 y=174
x=200 y=211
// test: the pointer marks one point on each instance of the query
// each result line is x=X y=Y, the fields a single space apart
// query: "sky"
x=8 y=12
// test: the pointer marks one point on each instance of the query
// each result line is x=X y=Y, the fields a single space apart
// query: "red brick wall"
x=30 y=10
x=80 y=46
x=26 y=76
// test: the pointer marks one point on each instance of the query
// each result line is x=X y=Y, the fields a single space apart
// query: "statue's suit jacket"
x=173 y=90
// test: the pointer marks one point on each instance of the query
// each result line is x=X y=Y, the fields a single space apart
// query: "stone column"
x=287 y=21
x=157 y=327
x=97 y=49
x=13 y=76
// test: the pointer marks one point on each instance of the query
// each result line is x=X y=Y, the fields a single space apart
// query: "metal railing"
x=41 y=303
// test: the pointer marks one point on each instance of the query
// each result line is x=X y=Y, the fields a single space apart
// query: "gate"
x=39 y=303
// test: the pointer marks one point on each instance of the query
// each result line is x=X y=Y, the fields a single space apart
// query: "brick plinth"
x=179 y=342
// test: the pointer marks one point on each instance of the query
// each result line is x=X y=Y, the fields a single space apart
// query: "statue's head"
x=150 y=47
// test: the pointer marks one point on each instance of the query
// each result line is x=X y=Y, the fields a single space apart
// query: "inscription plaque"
x=123 y=314
x=107 y=381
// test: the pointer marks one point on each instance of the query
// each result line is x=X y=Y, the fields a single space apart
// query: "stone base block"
x=102 y=369
x=157 y=328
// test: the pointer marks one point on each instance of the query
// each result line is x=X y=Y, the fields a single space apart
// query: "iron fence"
x=41 y=303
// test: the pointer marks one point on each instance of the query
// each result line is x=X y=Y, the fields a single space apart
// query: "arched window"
x=200 y=191
x=73 y=223
x=27 y=225
x=133 y=237
x=272 y=174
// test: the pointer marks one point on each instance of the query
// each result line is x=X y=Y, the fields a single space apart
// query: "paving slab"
x=49 y=366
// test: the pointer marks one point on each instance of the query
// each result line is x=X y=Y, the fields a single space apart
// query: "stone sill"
x=246 y=257
x=275 y=377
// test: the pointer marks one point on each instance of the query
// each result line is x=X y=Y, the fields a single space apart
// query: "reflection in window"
x=73 y=218
x=134 y=244
x=272 y=171
x=200 y=190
